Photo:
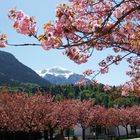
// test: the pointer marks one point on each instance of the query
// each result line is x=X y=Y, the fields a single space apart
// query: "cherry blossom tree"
x=84 y=117
x=11 y=111
x=106 y=121
x=68 y=115
x=51 y=118
x=135 y=117
x=96 y=117
x=32 y=113
x=112 y=118
x=125 y=118
x=11 y=107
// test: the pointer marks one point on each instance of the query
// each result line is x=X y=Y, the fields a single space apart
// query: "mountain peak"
x=60 y=76
x=56 y=71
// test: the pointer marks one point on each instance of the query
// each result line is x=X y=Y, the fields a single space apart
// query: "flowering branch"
x=114 y=61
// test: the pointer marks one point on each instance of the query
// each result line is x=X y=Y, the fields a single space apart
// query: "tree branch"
x=122 y=17
x=24 y=44
x=111 y=64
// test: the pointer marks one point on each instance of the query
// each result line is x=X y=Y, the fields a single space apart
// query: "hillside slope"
x=13 y=72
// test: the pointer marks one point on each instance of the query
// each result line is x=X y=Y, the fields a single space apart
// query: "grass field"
x=132 y=139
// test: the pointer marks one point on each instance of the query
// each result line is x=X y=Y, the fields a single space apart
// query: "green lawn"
x=132 y=139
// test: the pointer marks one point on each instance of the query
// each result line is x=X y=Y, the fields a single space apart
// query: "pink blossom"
x=2 y=45
x=109 y=58
x=107 y=87
x=88 y=72
x=59 y=27
x=117 y=59
x=19 y=14
x=82 y=59
x=103 y=63
x=3 y=39
x=117 y=13
x=116 y=50
x=124 y=93
x=104 y=70
x=81 y=82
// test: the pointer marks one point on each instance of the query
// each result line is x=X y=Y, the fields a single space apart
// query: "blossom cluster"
x=88 y=72
x=110 y=59
x=126 y=88
x=3 y=39
x=73 y=54
x=51 y=37
x=22 y=23
x=132 y=86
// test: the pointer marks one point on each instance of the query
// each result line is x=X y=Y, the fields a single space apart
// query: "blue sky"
x=35 y=57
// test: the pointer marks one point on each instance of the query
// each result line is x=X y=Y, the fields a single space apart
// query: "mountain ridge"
x=14 y=72
x=60 y=76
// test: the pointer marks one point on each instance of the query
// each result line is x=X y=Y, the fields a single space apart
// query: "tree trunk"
x=0 y=134
x=108 y=132
x=135 y=129
x=118 y=131
x=105 y=132
x=83 y=133
x=4 y=134
x=30 y=136
x=14 y=135
x=68 y=133
x=126 y=131
x=96 y=132
x=46 y=135
x=60 y=135
x=62 y=132
x=51 y=133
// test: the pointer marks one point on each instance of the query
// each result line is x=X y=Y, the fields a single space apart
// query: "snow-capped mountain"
x=59 y=75
x=56 y=71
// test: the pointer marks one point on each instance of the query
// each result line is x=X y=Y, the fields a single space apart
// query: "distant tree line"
x=108 y=98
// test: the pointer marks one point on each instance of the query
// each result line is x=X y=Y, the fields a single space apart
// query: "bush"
x=116 y=138
x=74 y=138
x=59 y=137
